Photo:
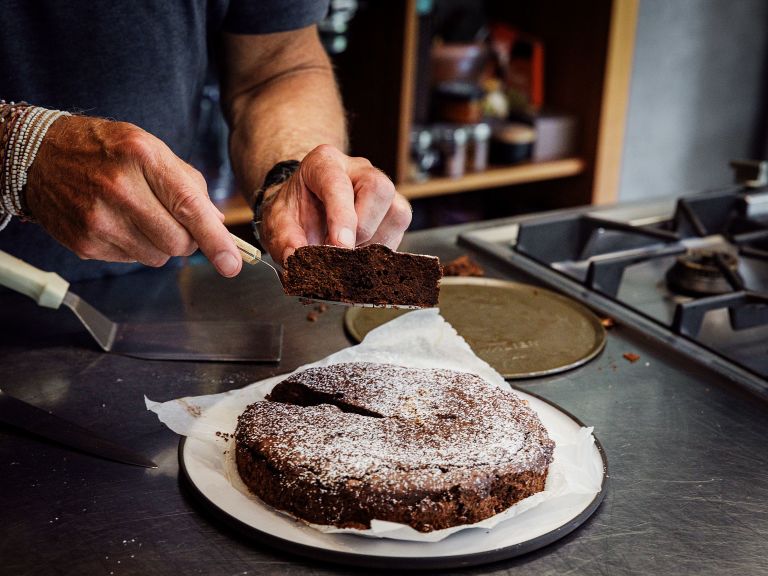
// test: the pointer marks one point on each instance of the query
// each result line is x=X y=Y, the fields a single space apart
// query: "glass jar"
x=452 y=142
x=458 y=102
x=478 y=143
x=424 y=156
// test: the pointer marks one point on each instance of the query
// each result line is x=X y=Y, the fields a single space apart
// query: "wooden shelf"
x=589 y=48
x=236 y=210
x=495 y=177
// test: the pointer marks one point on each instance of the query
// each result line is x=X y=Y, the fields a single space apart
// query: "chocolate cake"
x=344 y=444
x=372 y=274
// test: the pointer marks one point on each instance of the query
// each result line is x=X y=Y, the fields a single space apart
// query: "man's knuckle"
x=179 y=245
x=363 y=162
x=383 y=190
x=321 y=158
x=364 y=233
x=183 y=244
x=186 y=206
x=131 y=142
x=200 y=180
x=325 y=150
x=155 y=260
x=86 y=250
x=189 y=248
x=402 y=216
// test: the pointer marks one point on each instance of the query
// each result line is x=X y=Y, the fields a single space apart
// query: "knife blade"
x=29 y=418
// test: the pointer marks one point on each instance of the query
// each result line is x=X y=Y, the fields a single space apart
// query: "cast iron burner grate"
x=607 y=248
x=709 y=236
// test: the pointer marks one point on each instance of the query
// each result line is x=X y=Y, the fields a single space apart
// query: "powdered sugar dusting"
x=423 y=426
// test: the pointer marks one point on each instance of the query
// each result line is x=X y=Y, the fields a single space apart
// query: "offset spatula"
x=222 y=341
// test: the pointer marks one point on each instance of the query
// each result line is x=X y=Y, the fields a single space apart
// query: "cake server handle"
x=251 y=255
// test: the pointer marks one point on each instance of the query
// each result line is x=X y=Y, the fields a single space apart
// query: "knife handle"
x=250 y=254
x=46 y=288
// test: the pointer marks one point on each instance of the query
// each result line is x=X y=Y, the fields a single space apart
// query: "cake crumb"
x=312 y=316
x=322 y=307
x=463 y=266
x=192 y=409
x=631 y=356
x=608 y=322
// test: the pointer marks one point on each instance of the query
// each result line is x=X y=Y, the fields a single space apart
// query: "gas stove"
x=691 y=273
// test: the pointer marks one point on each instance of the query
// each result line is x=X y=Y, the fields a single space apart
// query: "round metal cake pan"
x=521 y=330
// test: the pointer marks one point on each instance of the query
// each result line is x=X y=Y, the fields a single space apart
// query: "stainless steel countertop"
x=687 y=452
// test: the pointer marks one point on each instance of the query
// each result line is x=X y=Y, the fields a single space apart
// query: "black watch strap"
x=278 y=174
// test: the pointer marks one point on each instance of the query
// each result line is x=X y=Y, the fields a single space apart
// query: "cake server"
x=221 y=341
x=19 y=414
x=252 y=255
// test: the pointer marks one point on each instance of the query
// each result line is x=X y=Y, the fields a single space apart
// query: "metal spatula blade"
x=213 y=341
x=310 y=301
x=219 y=341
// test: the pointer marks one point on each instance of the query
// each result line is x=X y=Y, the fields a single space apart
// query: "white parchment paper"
x=419 y=339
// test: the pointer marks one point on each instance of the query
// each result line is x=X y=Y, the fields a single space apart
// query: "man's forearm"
x=284 y=114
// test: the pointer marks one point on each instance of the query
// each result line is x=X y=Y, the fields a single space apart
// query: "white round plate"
x=549 y=521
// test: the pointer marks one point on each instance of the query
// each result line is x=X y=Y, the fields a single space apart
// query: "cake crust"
x=345 y=444
x=372 y=274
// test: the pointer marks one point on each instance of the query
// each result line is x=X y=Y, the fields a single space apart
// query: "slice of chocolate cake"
x=372 y=274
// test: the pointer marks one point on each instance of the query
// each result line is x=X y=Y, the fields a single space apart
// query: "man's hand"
x=111 y=191
x=332 y=199
x=281 y=101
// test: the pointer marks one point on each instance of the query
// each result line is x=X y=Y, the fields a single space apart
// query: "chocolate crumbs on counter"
x=192 y=409
x=463 y=266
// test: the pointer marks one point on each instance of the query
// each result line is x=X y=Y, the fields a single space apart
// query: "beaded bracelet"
x=23 y=129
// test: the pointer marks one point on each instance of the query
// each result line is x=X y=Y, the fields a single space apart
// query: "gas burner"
x=712 y=305
x=698 y=272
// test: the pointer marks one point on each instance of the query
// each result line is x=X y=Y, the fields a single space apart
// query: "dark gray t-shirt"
x=142 y=61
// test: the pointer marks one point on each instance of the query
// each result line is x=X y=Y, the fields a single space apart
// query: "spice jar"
x=512 y=143
x=458 y=102
x=452 y=142
x=478 y=142
x=424 y=157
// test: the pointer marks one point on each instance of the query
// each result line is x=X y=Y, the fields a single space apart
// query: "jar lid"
x=481 y=131
x=460 y=91
x=514 y=133
x=451 y=133
x=421 y=137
